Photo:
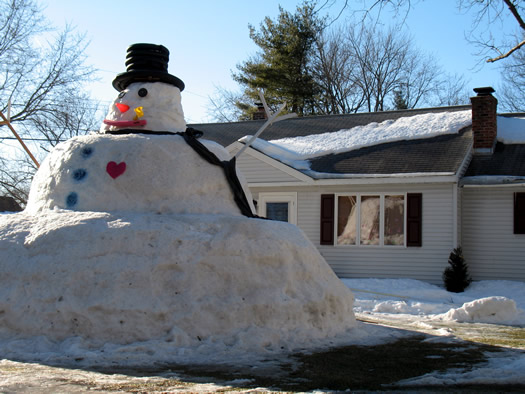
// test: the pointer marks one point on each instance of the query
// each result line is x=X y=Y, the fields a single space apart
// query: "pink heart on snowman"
x=115 y=170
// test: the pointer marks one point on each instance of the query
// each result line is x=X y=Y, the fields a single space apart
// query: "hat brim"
x=122 y=81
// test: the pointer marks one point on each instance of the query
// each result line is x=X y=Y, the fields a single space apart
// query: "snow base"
x=184 y=280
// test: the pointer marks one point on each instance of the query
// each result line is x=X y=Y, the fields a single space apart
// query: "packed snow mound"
x=159 y=108
x=484 y=310
x=132 y=172
x=183 y=279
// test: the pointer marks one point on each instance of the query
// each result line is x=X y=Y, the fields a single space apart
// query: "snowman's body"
x=137 y=237
x=137 y=170
x=131 y=172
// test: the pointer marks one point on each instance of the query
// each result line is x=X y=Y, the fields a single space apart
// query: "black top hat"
x=146 y=63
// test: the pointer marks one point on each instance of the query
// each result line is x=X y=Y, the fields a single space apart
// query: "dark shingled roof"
x=444 y=153
x=506 y=160
x=227 y=133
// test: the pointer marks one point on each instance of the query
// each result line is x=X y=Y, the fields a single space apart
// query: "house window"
x=395 y=220
x=346 y=220
x=371 y=220
x=278 y=211
x=278 y=206
x=519 y=213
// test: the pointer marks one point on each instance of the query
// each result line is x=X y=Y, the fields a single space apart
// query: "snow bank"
x=294 y=151
x=123 y=278
x=495 y=301
x=485 y=310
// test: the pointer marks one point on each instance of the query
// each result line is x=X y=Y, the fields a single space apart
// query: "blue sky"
x=208 y=38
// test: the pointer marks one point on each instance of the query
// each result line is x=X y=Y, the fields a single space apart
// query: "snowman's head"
x=154 y=106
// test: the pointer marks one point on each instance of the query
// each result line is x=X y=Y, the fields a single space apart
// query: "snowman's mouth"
x=125 y=123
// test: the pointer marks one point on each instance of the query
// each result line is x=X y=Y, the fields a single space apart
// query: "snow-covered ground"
x=498 y=302
x=409 y=304
x=420 y=306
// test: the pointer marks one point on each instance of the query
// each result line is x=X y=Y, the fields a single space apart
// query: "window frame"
x=381 y=196
x=518 y=213
x=279 y=197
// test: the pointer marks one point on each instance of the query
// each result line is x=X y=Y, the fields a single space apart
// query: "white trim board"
x=271 y=161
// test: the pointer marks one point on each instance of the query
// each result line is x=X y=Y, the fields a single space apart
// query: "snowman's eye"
x=143 y=92
x=121 y=94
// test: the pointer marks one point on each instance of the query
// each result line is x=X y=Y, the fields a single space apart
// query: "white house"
x=391 y=194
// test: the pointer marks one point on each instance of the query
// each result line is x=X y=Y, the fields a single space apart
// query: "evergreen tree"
x=283 y=67
x=456 y=277
x=399 y=100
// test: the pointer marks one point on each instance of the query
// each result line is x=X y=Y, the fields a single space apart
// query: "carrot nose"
x=122 y=107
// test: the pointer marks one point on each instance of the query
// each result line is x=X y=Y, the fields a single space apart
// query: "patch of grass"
x=161 y=385
x=511 y=337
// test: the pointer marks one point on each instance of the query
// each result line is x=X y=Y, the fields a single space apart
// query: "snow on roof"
x=511 y=130
x=296 y=151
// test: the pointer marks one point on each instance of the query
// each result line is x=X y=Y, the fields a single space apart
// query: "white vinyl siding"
x=490 y=247
x=423 y=263
x=257 y=171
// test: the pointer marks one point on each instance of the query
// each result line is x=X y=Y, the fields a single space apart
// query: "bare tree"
x=512 y=91
x=361 y=67
x=486 y=15
x=452 y=91
x=228 y=106
x=15 y=175
x=42 y=74
x=334 y=70
x=386 y=62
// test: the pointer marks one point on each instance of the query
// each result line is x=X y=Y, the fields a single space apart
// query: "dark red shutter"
x=519 y=213
x=327 y=219
x=414 y=219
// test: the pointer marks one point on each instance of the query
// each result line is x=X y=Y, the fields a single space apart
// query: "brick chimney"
x=484 y=120
x=260 y=114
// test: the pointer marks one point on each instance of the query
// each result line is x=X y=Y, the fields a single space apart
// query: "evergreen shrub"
x=456 y=277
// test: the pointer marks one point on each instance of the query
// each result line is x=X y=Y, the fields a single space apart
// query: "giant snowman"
x=142 y=232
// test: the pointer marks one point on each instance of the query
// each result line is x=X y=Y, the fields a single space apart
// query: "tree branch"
x=507 y=54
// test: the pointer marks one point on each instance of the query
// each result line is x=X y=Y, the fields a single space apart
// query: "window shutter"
x=414 y=219
x=327 y=219
x=519 y=213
